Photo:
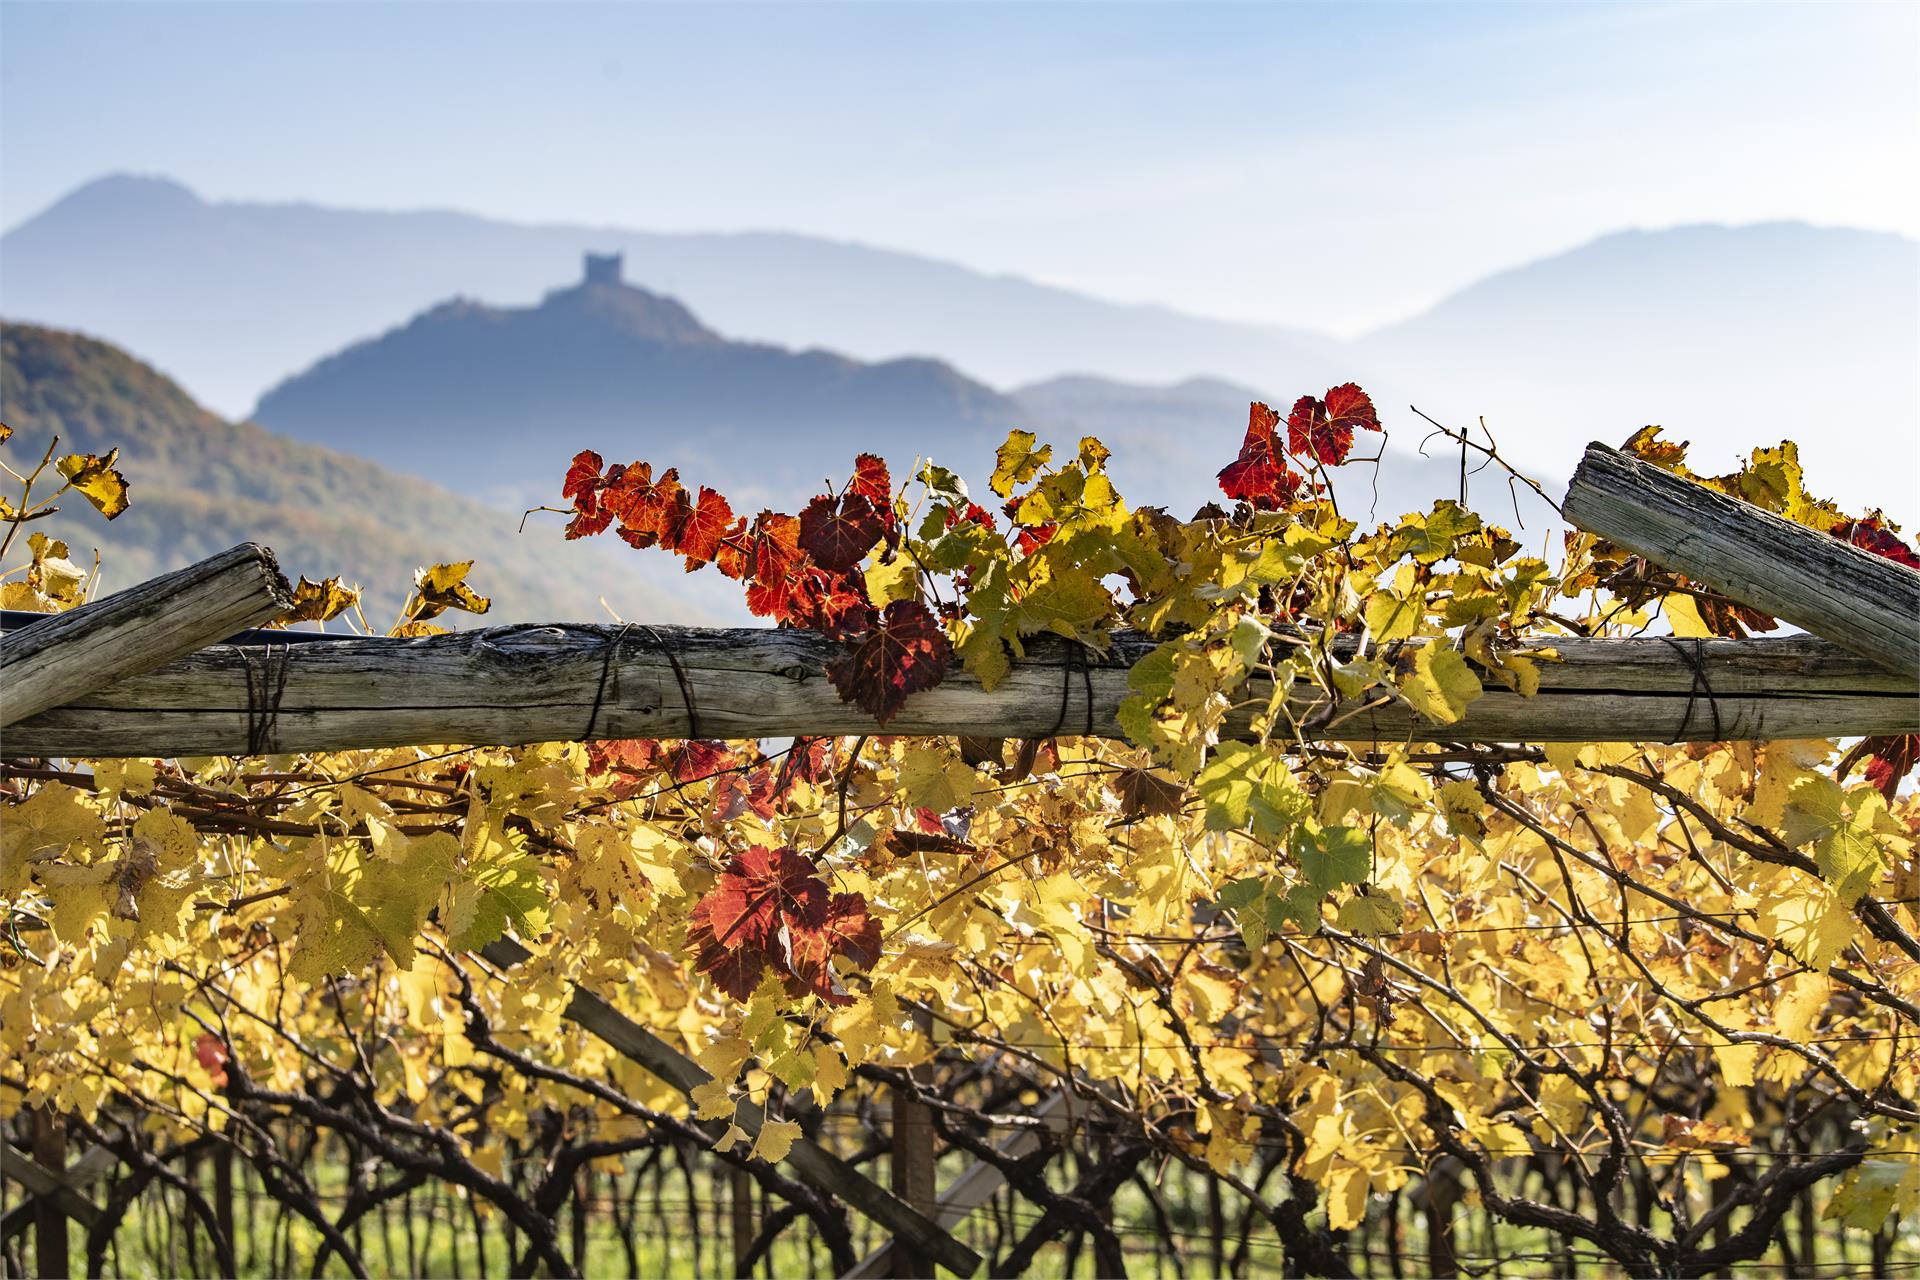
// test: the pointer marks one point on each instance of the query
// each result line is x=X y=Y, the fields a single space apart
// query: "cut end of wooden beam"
x=273 y=577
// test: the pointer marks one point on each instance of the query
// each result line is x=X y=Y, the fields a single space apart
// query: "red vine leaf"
x=698 y=759
x=837 y=533
x=753 y=897
x=1869 y=534
x=847 y=930
x=777 y=565
x=585 y=525
x=582 y=489
x=735 y=794
x=583 y=479
x=905 y=652
x=1323 y=429
x=810 y=761
x=871 y=481
x=769 y=910
x=642 y=503
x=735 y=557
x=974 y=514
x=833 y=603
x=695 y=529
x=623 y=755
x=1260 y=475
x=1891 y=757
x=210 y=1051
x=1030 y=540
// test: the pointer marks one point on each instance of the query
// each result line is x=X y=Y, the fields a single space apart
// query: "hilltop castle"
x=603 y=268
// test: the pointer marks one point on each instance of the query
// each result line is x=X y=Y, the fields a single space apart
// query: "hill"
x=200 y=484
x=189 y=281
x=493 y=401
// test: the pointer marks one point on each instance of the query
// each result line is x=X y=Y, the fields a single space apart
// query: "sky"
x=1328 y=167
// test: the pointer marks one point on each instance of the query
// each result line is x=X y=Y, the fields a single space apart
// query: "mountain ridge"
x=1722 y=333
x=93 y=256
x=468 y=394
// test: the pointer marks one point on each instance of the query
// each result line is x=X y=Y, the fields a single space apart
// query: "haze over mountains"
x=202 y=286
x=1728 y=336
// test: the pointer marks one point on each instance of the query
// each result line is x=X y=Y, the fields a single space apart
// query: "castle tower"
x=603 y=268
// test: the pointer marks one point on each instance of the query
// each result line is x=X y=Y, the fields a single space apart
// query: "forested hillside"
x=200 y=484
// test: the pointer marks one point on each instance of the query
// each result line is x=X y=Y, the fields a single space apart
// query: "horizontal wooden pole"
x=1858 y=600
x=513 y=685
x=64 y=656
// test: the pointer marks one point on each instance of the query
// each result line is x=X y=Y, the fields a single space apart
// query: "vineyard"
x=1051 y=887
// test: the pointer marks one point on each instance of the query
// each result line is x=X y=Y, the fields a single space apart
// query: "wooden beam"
x=92 y=1166
x=812 y=1163
x=975 y=1186
x=912 y=1160
x=512 y=685
x=49 y=1189
x=64 y=656
x=1860 y=601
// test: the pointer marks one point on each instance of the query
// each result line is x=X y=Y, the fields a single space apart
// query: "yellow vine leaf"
x=1441 y=686
x=96 y=479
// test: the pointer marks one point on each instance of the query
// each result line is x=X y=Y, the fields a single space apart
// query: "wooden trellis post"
x=65 y=655
x=974 y=1187
x=1858 y=600
x=64 y=1189
x=812 y=1163
x=54 y=1199
x=912 y=1159
x=740 y=1219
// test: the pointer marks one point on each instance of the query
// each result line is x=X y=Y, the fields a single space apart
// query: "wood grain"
x=513 y=685
x=1860 y=601
x=65 y=656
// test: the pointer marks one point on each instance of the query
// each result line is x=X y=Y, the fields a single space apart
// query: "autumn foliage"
x=1643 y=1008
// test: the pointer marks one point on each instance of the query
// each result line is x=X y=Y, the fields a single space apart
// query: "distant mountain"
x=493 y=401
x=1727 y=336
x=200 y=484
x=231 y=296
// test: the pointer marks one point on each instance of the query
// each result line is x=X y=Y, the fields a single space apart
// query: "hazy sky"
x=1330 y=167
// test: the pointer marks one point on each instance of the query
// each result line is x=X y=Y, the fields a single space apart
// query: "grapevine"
x=1632 y=998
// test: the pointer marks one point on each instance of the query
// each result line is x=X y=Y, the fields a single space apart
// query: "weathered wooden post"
x=1858 y=600
x=49 y=1218
x=740 y=1218
x=223 y=1203
x=66 y=655
x=912 y=1160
